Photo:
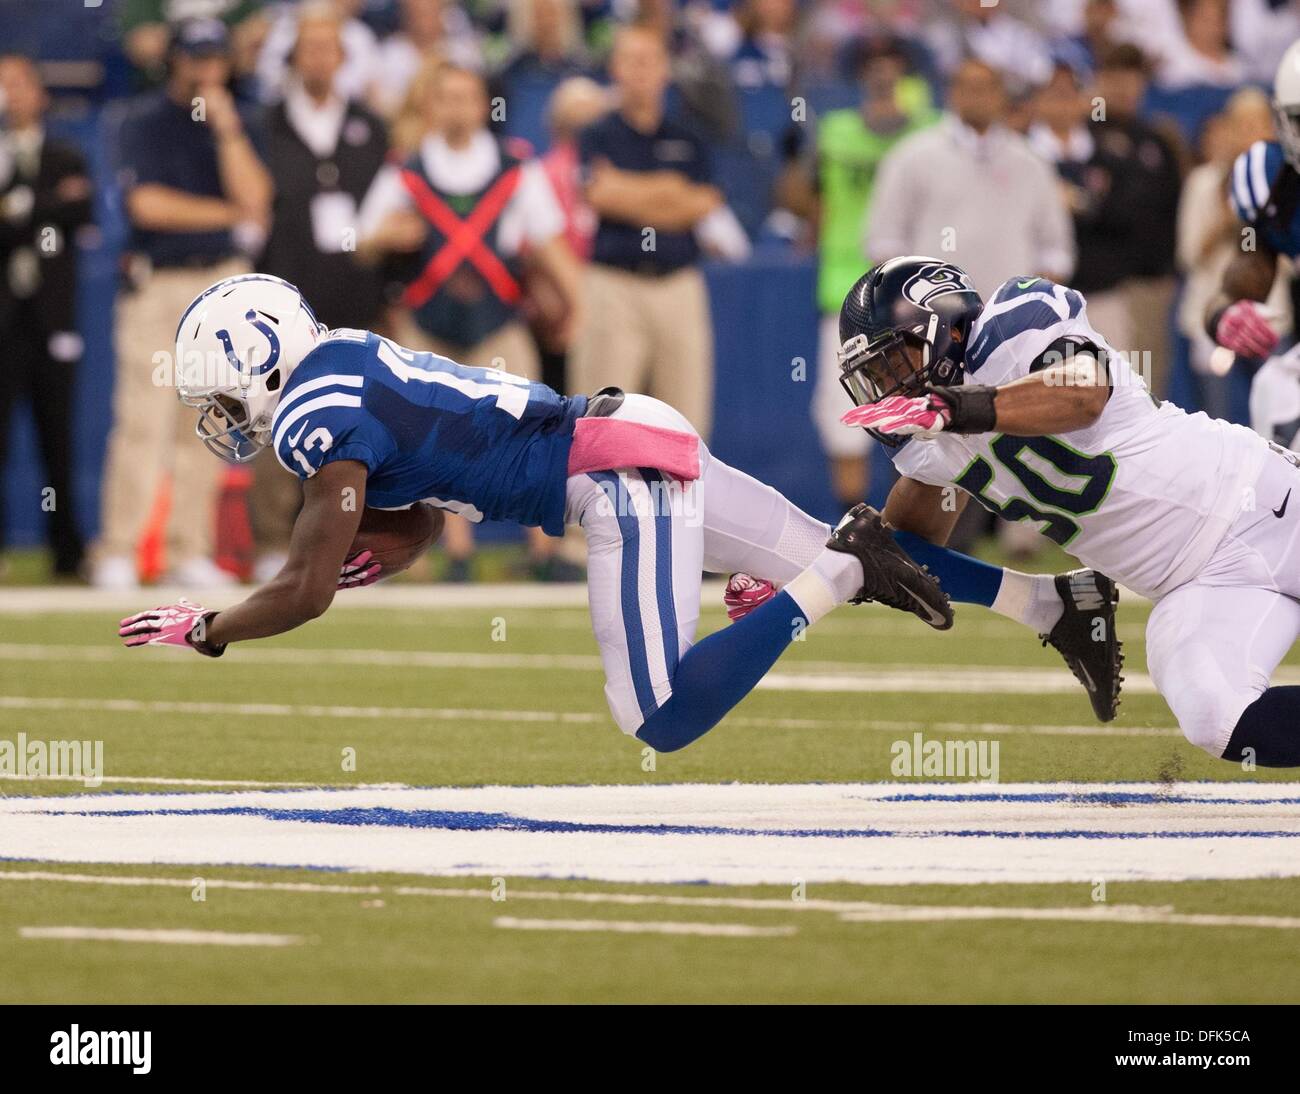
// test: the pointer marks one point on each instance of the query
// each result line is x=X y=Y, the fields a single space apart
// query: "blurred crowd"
x=538 y=185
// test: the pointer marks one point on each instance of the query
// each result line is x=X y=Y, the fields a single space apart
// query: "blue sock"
x=964 y=579
x=720 y=670
x=1270 y=727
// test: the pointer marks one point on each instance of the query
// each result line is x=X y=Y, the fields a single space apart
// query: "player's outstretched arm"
x=1057 y=399
x=322 y=536
x=331 y=513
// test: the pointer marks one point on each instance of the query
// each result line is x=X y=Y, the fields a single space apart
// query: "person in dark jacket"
x=323 y=151
x=45 y=195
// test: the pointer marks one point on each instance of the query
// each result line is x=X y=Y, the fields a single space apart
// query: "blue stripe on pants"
x=617 y=495
x=660 y=497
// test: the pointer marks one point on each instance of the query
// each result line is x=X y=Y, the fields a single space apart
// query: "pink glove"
x=744 y=593
x=1244 y=328
x=359 y=571
x=901 y=416
x=172 y=625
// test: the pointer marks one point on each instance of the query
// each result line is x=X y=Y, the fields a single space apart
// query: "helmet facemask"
x=225 y=427
x=1286 y=120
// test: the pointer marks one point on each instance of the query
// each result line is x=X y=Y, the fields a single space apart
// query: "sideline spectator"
x=1095 y=186
x=971 y=191
x=323 y=152
x=977 y=30
x=192 y=181
x=1151 y=161
x=647 y=324
x=546 y=38
x=146 y=30
x=1201 y=56
x=764 y=55
x=429 y=28
x=356 y=76
x=576 y=104
x=463 y=178
x=838 y=186
x=45 y=195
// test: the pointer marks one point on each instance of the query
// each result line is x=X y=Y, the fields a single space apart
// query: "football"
x=397 y=537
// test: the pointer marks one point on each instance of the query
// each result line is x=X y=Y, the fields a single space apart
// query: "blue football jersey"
x=475 y=441
x=1261 y=181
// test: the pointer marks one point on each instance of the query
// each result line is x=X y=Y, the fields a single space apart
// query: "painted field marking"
x=1101 y=913
x=158 y=936
x=382 y=597
x=792 y=675
x=547 y=717
x=852 y=911
x=633 y=926
x=734 y=834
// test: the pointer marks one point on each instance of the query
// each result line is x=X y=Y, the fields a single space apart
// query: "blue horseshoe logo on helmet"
x=272 y=357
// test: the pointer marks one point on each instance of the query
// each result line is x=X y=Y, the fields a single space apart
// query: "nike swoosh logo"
x=934 y=618
x=1280 y=511
x=293 y=441
x=1026 y=284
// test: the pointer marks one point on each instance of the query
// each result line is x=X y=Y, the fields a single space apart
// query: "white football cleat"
x=114 y=572
x=200 y=573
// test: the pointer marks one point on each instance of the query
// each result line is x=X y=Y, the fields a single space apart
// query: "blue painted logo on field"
x=458 y=820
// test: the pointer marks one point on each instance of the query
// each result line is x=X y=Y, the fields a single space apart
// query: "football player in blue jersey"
x=1265 y=194
x=364 y=421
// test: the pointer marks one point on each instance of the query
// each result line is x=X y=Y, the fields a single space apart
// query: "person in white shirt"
x=1200 y=55
x=360 y=66
x=429 y=27
x=973 y=191
x=467 y=207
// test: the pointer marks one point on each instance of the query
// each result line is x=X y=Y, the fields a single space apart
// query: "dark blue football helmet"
x=923 y=302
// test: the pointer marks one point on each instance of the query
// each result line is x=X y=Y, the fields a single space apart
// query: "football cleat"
x=1085 y=636
x=889 y=574
x=745 y=593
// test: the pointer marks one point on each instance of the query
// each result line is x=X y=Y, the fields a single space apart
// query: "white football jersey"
x=1144 y=494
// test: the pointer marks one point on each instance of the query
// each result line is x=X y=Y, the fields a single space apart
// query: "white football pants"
x=1213 y=643
x=648 y=539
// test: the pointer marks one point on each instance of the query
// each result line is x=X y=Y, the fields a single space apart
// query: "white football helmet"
x=1286 y=104
x=236 y=346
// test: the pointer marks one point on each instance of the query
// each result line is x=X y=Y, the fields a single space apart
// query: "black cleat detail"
x=890 y=576
x=1086 y=637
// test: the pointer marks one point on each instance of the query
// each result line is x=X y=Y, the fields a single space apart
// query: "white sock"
x=833 y=579
x=1030 y=599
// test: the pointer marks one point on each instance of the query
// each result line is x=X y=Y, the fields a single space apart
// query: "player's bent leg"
x=1211 y=651
x=860 y=561
x=643 y=583
x=751 y=527
x=1074 y=612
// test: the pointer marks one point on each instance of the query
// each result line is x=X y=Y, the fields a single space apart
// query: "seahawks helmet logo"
x=931 y=282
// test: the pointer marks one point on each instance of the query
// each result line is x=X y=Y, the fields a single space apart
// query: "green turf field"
x=506 y=694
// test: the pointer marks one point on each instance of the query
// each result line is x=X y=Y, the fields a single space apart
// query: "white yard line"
x=1100 y=913
x=792 y=675
x=157 y=936
x=633 y=926
x=18 y=600
x=545 y=717
x=853 y=911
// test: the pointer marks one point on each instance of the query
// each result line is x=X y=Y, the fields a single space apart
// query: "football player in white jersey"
x=1022 y=405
